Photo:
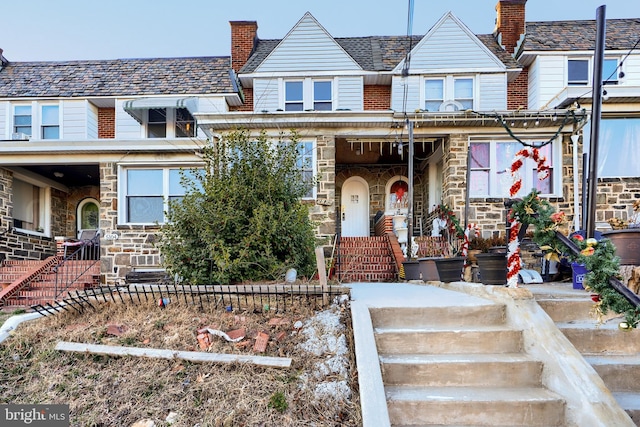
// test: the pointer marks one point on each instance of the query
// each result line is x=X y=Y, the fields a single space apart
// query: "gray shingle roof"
x=373 y=53
x=120 y=77
x=621 y=34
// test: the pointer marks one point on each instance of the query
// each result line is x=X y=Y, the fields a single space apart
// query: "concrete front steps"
x=613 y=353
x=460 y=366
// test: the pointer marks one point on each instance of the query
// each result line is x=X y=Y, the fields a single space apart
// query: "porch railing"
x=68 y=273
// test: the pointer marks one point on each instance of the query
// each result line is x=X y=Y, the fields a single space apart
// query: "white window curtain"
x=618 y=148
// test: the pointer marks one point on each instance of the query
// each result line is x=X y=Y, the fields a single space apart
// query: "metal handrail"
x=67 y=274
x=615 y=283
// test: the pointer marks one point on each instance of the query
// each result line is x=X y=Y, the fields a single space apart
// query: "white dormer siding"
x=348 y=93
x=450 y=46
x=5 y=113
x=547 y=77
x=126 y=126
x=308 y=47
x=74 y=120
x=450 y=51
x=492 y=92
x=92 y=121
x=631 y=70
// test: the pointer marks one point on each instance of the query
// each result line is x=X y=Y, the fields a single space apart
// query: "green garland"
x=598 y=257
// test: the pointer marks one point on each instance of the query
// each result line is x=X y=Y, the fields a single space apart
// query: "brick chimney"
x=510 y=23
x=243 y=38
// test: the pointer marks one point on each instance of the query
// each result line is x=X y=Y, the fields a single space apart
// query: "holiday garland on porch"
x=598 y=257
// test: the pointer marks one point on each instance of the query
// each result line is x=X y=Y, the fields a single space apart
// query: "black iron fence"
x=280 y=298
x=73 y=274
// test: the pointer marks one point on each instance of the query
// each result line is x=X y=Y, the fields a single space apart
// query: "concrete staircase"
x=460 y=366
x=613 y=353
x=43 y=288
x=366 y=259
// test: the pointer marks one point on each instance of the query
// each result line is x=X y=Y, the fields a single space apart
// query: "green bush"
x=241 y=218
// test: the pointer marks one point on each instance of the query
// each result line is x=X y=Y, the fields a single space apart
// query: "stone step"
x=565 y=310
x=456 y=316
x=589 y=338
x=472 y=340
x=456 y=370
x=478 y=406
x=619 y=373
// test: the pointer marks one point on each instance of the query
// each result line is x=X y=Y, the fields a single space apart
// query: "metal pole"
x=410 y=207
x=466 y=198
x=598 y=59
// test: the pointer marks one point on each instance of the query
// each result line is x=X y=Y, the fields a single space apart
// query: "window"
x=306 y=164
x=322 y=96
x=618 y=148
x=185 y=124
x=448 y=93
x=490 y=174
x=29 y=206
x=578 y=72
x=157 y=123
x=308 y=94
x=433 y=94
x=293 y=96
x=610 y=72
x=463 y=92
x=148 y=191
x=50 y=122
x=22 y=119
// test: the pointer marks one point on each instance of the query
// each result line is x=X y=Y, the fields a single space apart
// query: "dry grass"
x=118 y=391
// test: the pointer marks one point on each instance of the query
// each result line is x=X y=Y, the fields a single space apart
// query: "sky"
x=53 y=30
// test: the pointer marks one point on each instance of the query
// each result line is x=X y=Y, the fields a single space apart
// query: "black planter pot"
x=411 y=270
x=428 y=269
x=450 y=269
x=492 y=268
x=627 y=243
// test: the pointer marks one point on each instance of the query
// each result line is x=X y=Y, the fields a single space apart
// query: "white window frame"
x=449 y=100
x=44 y=212
x=589 y=60
x=170 y=123
x=311 y=157
x=44 y=125
x=123 y=209
x=13 y=118
x=308 y=97
x=527 y=171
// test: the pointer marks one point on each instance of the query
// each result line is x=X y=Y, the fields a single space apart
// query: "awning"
x=137 y=107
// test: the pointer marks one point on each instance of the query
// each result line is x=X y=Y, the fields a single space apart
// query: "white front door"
x=354 y=208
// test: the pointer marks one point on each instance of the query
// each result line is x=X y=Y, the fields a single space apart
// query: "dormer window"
x=448 y=93
x=50 y=122
x=157 y=123
x=22 y=119
x=293 y=96
x=578 y=73
x=308 y=94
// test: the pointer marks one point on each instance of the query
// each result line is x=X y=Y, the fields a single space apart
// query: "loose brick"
x=262 y=339
x=237 y=333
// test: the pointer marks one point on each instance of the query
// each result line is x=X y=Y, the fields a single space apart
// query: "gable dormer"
x=308 y=47
x=450 y=69
x=308 y=70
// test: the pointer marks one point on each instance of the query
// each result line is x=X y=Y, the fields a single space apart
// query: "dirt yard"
x=319 y=389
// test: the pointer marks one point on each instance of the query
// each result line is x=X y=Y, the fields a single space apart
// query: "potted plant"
x=625 y=236
x=492 y=264
x=451 y=265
